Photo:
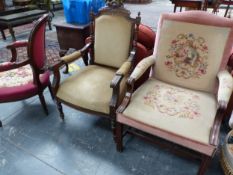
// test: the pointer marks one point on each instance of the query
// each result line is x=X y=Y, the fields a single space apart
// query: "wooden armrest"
x=13 y=65
x=16 y=44
x=13 y=47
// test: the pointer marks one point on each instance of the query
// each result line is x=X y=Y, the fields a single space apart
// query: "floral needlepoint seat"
x=188 y=92
x=23 y=79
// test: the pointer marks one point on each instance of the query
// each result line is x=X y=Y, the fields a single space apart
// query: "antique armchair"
x=182 y=102
x=97 y=88
x=21 y=79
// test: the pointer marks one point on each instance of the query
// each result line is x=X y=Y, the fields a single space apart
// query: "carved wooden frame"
x=113 y=8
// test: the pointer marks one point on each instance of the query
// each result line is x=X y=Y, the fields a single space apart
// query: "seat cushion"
x=177 y=110
x=89 y=88
x=18 y=83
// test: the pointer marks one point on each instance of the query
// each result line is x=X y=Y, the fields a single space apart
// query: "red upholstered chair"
x=189 y=90
x=23 y=79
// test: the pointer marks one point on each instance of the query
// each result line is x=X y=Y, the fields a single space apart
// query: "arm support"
x=16 y=44
x=125 y=68
x=13 y=47
x=225 y=88
x=72 y=57
x=64 y=62
x=12 y=65
x=142 y=67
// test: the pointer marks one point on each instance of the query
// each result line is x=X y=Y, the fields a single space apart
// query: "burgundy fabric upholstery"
x=5 y=66
x=36 y=53
x=8 y=94
x=146 y=36
x=18 y=44
x=38 y=47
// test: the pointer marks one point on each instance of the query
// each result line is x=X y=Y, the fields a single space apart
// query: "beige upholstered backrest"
x=112 y=40
x=191 y=50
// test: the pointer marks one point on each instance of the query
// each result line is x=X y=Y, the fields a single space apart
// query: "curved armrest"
x=12 y=65
x=116 y=81
x=125 y=68
x=225 y=88
x=13 y=47
x=141 y=67
x=17 y=44
x=72 y=57
x=64 y=62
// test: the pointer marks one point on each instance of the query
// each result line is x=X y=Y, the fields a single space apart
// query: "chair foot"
x=204 y=165
x=119 y=131
x=43 y=103
x=0 y=123
x=59 y=107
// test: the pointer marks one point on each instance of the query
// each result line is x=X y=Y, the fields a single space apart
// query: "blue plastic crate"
x=78 y=11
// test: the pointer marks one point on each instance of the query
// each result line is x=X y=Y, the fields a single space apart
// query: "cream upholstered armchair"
x=97 y=88
x=182 y=102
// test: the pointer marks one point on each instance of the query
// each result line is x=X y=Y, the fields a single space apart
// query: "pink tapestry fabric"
x=204 y=18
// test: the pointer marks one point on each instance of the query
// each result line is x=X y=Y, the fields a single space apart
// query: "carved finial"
x=114 y=3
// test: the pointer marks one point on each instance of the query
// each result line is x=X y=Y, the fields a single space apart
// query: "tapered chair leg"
x=43 y=103
x=59 y=107
x=51 y=91
x=0 y=123
x=119 y=132
x=204 y=165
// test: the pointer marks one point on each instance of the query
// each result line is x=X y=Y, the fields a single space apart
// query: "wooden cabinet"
x=71 y=36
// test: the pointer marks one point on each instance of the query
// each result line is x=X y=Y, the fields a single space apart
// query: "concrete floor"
x=32 y=143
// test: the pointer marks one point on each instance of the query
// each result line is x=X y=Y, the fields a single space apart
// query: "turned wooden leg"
x=0 y=123
x=3 y=34
x=174 y=9
x=43 y=103
x=85 y=58
x=119 y=137
x=228 y=6
x=204 y=165
x=59 y=107
x=49 y=22
x=12 y=33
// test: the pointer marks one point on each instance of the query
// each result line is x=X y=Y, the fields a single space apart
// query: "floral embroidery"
x=173 y=101
x=188 y=56
x=16 y=77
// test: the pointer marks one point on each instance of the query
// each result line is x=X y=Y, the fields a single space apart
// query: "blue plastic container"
x=78 y=11
x=96 y=5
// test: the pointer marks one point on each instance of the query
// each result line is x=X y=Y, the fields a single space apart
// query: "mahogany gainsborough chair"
x=182 y=102
x=98 y=87
x=21 y=79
